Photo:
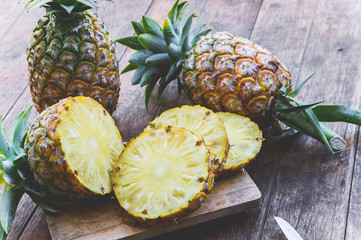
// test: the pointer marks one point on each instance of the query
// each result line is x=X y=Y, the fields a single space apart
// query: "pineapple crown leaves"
x=306 y=118
x=67 y=6
x=160 y=51
x=13 y=174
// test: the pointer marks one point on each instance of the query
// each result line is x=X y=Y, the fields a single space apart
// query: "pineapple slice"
x=162 y=174
x=245 y=139
x=201 y=121
x=72 y=147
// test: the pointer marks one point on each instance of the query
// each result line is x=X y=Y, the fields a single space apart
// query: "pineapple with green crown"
x=226 y=73
x=71 y=54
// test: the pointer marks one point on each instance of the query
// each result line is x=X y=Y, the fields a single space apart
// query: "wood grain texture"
x=13 y=45
x=103 y=221
x=300 y=181
x=311 y=187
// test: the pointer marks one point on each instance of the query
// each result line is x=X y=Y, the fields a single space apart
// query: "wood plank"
x=13 y=64
x=230 y=195
x=37 y=228
x=311 y=187
x=351 y=73
x=353 y=228
x=9 y=14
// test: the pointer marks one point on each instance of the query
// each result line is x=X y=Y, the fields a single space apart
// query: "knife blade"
x=287 y=229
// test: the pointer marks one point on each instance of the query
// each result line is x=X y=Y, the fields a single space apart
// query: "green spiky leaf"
x=129 y=67
x=153 y=43
x=280 y=106
x=299 y=87
x=131 y=42
x=172 y=73
x=139 y=57
x=148 y=92
x=169 y=34
x=36 y=3
x=160 y=59
x=186 y=47
x=187 y=27
x=162 y=86
x=18 y=129
x=178 y=22
x=60 y=6
x=195 y=32
x=138 y=28
x=172 y=15
x=151 y=74
x=67 y=8
x=337 y=113
x=151 y=27
x=138 y=75
x=196 y=38
x=3 y=234
x=175 y=52
x=8 y=204
x=5 y=146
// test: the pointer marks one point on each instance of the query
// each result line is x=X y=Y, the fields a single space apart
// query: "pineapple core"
x=160 y=172
x=91 y=143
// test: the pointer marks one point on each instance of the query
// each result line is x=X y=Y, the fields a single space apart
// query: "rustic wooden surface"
x=103 y=220
x=317 y=192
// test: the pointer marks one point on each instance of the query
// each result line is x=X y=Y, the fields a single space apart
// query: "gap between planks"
x=351 y=182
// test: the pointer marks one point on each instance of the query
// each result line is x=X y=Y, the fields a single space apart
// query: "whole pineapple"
x=217 y=70
x=226 y=73
x=71 y=54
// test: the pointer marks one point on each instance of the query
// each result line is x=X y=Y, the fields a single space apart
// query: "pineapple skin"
x=232 y=74
x=72 y=58
x=46 y=161
x=193 y=204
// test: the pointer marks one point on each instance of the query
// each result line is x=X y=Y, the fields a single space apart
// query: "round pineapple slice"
x=201 y=121
x=72 y=148
x=163 y=174
x=245 y=139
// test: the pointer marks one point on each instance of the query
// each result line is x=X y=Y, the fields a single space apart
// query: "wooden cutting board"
x=105 y=220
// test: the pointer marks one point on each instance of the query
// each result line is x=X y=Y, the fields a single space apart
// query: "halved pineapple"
x=201 y=121
x=245 y=139
x=72 y=148
x=162 y=174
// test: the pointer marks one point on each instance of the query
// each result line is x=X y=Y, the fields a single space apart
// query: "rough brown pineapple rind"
x=245 y=139
x=201 y=121
x=192 y=204
x=46 y=158
x=72 y=58
x=229 y=73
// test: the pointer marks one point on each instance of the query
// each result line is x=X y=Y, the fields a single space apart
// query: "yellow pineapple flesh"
x=162 y=174
x=72 y=148
x=245 y=139
x=200 y=121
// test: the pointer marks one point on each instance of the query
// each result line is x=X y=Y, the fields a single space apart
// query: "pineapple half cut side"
x=90 y=141
x=245 y=139
x=163 y=174
x=201 y=121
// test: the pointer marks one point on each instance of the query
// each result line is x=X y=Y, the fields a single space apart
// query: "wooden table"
x=317 y=192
